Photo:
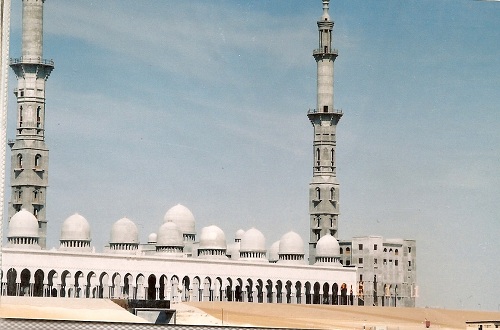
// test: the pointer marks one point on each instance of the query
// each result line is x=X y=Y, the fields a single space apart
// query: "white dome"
x=169 y=235
x=182 y=217
x=253 y=241
x=291 y=243
x=273 y=251
x=327 y=246
x=212 y=237
x=23 y=224
x=238 y=235
x=124 y=231
x=75 y=228
x=152 y=238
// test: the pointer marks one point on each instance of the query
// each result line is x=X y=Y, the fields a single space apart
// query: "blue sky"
x=204 y=103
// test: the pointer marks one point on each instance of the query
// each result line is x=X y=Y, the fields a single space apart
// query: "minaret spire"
x=324 y=188
x=29 y=160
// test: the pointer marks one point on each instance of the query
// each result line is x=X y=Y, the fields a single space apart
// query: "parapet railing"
x=318 y=51
x=31 y=60
x=338 y=111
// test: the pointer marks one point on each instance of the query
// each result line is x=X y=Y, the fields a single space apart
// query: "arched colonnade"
x=173 y=287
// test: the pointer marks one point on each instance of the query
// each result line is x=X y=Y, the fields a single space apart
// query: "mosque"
x=176 y=264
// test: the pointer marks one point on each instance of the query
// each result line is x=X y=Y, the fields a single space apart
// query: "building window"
x=385 y=261
x=317 y=156
x=360 y=247
x=332 y=154
x=38 y=160
x=19 y=161
x=396 y=262
x=347 y=262
x=20 y=116
x=347 y=250
x=38 y=117
x=341 y=251
x=318 y=194
x=325 y=107
x=332 y=194
x=375 y=247
x=360 y=261
x=409 y=263
x=385 y=249
x=396 y=252
x=375 y=261
x=360 y=277
x=409 y=249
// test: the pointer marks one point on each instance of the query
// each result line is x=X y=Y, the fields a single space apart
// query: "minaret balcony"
x=38 y=169
x=336 y=111
x=322 y=51
x=31 y=60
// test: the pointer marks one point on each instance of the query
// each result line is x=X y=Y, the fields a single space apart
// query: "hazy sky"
x=203 y=103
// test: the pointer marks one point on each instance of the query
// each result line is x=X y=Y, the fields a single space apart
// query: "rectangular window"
x=360 y=260
x=347 y=262
x=360 y=247
x=396 y=262
x=409 y=249
x=385 y=261
x=375 y=261
x=409 y=263
x=375 y=247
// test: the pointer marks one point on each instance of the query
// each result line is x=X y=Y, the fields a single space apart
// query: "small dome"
x=182 y=217
x=152 y=238
x=327 y=246
x=169 y=235
x=124 y=231
x=23 y=224
x=253 y=241
x=75 y=228
x=212 y=237
x=238 y=235
x=273 y=252
x=291 y=243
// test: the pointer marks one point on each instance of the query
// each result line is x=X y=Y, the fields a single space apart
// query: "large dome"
x=291 y=243
x=327 y=246
x=182 y=217
x=212 y=237
x=253 y=241
x=169 y=235
x=23 y=224
x=75 y=228
x=124 y=231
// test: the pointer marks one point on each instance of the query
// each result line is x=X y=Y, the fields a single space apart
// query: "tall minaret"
x=324 y=188
x=30 y=156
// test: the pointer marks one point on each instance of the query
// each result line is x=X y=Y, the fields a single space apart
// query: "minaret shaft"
x=29 y=153
x=32 y=29
x=324 y=188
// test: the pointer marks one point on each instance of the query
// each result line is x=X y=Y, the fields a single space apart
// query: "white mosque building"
x=177 y=264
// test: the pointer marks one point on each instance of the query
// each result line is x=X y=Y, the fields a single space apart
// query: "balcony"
x=336 y=111
x=322 y=51
x=31 y=60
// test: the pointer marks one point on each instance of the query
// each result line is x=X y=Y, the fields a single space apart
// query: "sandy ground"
x=248 y=314
x=339 y=317
x=69 y=309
